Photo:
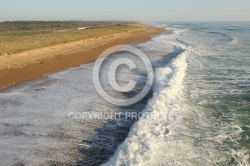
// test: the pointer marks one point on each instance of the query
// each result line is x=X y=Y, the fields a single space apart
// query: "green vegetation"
x=18 y=28
x=22 y=36
x=53 y=25
x=23 y=32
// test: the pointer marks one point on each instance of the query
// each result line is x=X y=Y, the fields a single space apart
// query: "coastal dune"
x=35 y=63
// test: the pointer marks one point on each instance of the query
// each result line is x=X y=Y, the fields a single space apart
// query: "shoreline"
x=78 y=53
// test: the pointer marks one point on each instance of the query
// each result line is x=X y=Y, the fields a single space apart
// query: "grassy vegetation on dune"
x=23 y=40
x=12 y=33
x=52 y=25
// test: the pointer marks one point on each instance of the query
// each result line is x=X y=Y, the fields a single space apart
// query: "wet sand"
x=84 y=55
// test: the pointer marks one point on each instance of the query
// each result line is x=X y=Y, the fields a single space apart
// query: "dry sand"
x=36 y=63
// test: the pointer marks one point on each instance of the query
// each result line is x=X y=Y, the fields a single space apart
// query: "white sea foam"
x=146 y=137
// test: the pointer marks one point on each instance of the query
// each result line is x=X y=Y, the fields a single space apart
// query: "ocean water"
x=201 y=99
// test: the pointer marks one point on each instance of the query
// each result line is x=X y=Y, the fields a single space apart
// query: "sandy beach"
x=36 y=63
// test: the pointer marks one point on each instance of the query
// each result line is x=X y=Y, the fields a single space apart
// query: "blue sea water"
x=218 y=86
x=205 y=92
